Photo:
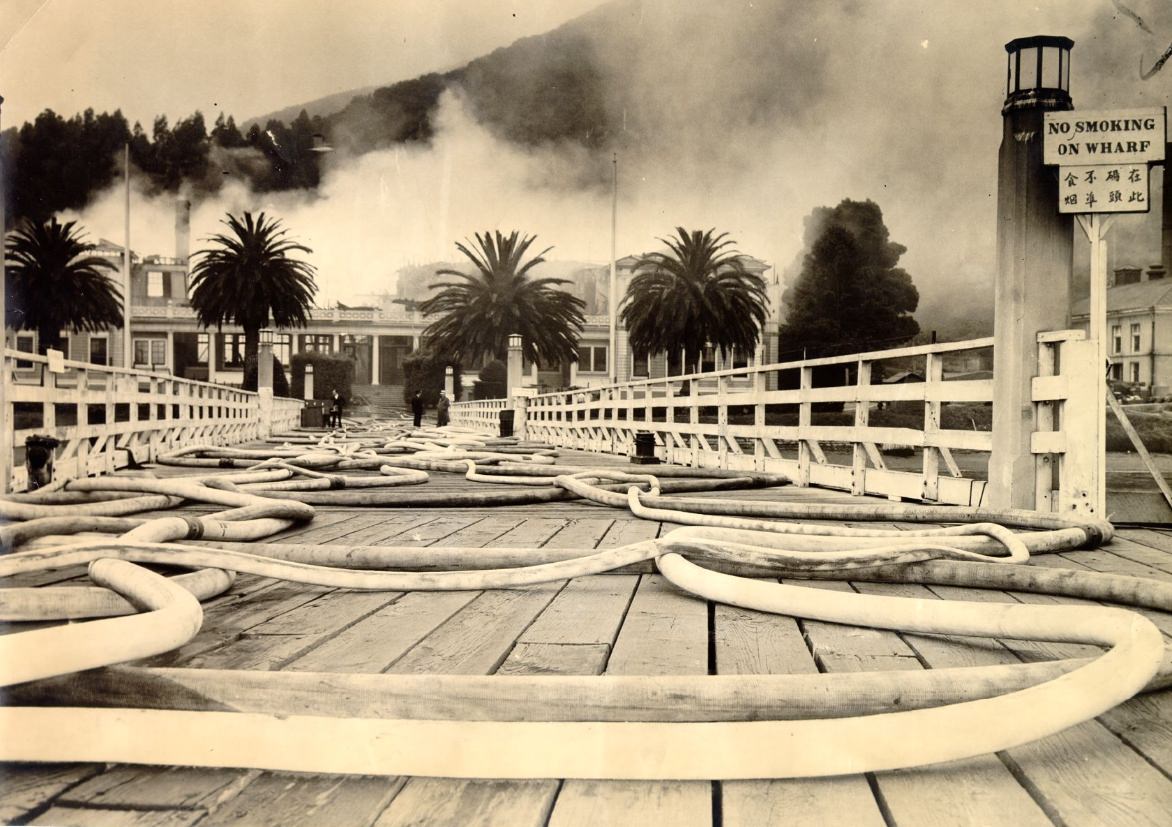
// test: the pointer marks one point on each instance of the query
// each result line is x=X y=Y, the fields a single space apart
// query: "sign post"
x=1103 y=160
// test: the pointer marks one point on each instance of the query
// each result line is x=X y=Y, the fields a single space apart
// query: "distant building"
x=1139 y=327
x=378 y=336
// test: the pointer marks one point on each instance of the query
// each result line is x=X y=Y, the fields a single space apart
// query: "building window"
x=1116 y=371
x=282 y=347
x=1116 y=339
x=592 y=359
x=317 y=342
x=231 y=352
x=739 y=359
x=99 y=350
x=25 y=343
x=675 y=363
x=1135 y=338
x=155 y=284
x=641 y=365
x=1133 y=372
x=202 y=344
x=150 y=352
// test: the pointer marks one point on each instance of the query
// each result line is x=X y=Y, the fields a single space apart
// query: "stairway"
x=383 y=401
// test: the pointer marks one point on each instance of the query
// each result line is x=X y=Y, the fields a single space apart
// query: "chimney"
x=182 y=228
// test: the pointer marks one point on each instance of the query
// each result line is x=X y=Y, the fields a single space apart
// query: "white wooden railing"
x=107 y=417
x=766 y=419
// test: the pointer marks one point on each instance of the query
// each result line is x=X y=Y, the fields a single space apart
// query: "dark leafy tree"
x=53 y=284
x=850 y=294
x=477 y=314
x=695 y=295
x=250 y=279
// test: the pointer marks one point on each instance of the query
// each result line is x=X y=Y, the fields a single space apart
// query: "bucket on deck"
x=38 y=460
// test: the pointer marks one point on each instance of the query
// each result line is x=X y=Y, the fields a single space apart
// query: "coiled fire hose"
x=570 y=727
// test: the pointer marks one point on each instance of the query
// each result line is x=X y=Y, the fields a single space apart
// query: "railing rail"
x=107 y=417
x=788 y=418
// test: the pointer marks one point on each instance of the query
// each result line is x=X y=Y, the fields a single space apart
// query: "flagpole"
x=612 y=300
x=127 y=344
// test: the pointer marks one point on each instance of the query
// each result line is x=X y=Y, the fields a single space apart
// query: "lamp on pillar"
x=1035 y=245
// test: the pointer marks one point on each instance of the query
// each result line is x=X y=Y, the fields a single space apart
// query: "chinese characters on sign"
x=1106 y=188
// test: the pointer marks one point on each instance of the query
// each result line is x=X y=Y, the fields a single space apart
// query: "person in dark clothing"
x=336 y=404
x=417 y=407
x=441 y=410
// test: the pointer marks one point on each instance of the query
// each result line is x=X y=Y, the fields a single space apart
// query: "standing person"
x=336 y=409
x=417 y=407
x=441 y=410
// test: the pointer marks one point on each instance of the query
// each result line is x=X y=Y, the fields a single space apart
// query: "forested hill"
x=542 y=88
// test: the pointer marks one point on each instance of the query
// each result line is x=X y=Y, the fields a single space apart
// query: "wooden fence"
x=106 y=418
x=828 y=422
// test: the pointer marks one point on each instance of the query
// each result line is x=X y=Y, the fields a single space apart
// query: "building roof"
x=1136 y=296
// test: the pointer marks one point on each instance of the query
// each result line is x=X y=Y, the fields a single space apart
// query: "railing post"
x=933 y=376
x=862 y=418
x=804 y=422
x=722 y=447
x=1081 y=486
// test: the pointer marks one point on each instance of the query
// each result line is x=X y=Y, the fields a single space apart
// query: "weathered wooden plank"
x=428 y=801
x=24 y=787
x=482 y=532
x=595 y=803
x=556 y=659
x=1140 y=553
x=273 y=800
x=477 y=638
x=665 y=633
x=57 y=816
x=1161 y=540
x=982 y=791
x=270 y=644
x=748 y=642
x=388 y=525
x=530 y=532
x=583 y=533
x=625 y=532
x=376 y=642
x=176 y=787
x=226 y=621
x=587 y=610
x=431 y=532
x=1085 y=774
x=839 y=648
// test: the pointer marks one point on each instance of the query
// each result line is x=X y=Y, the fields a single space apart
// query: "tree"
x=850 y=295
x=478 y=313
x=697 y=294
x=52 y=283
x=250 y=278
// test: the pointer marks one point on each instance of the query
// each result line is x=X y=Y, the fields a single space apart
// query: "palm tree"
x=52 y=283
x=249 y=279
x=478 y=313
x=697 y=294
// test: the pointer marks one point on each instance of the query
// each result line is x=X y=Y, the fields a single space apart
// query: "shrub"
x=280 y=381
x=424 y=371
x=329 y=372
x=492 y=381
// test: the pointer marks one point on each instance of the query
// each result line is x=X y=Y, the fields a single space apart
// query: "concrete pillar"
x=264 y=382
x=1032 y=290
x=514 y=365
x=308 y=393
x=573 y=373
x=450 y=382
x=212 y=345
x=374 y=360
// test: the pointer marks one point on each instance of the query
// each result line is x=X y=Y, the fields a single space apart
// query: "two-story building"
x=1139 y=327
x=166 y=336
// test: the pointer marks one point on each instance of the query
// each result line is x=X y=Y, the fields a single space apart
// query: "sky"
x=771 y=109
x=243 y=57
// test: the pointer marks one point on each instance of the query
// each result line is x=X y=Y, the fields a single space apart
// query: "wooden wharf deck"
x=1115 y=770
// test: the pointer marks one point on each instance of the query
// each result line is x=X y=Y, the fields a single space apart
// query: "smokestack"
x=182 y=227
